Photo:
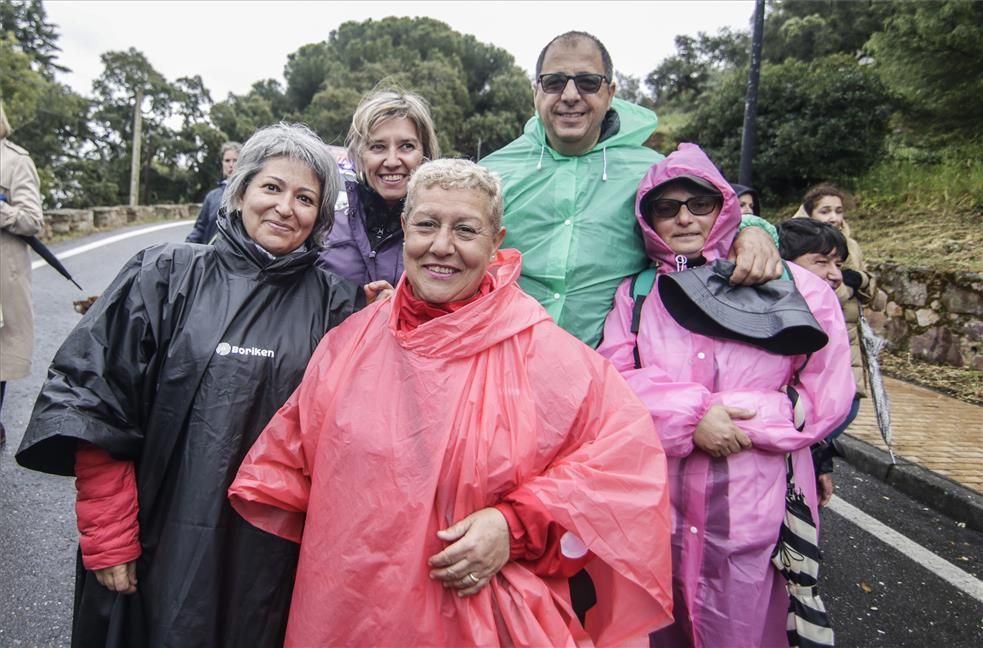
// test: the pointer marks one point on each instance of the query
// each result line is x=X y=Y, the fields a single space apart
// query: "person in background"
x=821 y=249
x=441 y=482
x=747 y=198
x=20 y=215
x=721 y=409
x=826 y=203
x=569 y=182
x=156 y=395
x=206 y=225
x=392 y=133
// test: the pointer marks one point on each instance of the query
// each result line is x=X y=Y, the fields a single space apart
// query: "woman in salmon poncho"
x=452 y=457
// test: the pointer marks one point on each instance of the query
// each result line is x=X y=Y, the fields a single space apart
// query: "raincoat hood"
x=561 y=210
x=481 y=324
x=247 y=258
x=689 y=160
x=635 y=125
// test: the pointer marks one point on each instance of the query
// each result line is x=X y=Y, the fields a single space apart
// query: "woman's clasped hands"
x=718 y=435
x=479 y=549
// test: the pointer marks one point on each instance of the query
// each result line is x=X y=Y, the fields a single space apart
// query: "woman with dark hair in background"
x=155 y=397
x=392 y=133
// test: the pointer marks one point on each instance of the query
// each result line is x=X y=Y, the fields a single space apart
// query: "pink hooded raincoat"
x=393 y=436
x=727 y=512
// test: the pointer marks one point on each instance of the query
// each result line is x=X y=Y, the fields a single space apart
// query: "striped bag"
x=797 y=557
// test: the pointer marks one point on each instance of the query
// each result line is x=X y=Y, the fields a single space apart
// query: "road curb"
x=932 y=489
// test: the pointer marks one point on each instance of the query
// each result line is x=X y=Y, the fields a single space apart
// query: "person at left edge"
x=161 y=389
x=20 y=215
x=206 y=225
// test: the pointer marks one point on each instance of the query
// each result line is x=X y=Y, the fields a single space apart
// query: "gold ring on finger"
x=474 y=579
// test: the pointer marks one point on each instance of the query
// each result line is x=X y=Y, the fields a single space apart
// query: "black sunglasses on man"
x=586 y=83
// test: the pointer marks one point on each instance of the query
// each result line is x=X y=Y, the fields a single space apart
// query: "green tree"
x=823 y=120
x=630 y=89
x=697 y=64
x=810 y=29
x=47 y=117
x=476 y=92
x=931 y=55
x=172 y=157
x=27 y=22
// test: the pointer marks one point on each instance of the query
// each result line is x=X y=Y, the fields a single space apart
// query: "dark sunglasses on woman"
x=668 y=207
x=554 y=83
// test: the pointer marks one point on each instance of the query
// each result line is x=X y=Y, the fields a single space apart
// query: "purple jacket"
x=348 y=251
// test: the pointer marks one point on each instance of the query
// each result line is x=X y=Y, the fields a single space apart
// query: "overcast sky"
x=232 y=44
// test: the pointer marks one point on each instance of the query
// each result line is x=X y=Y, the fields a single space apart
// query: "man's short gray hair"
x=451 y=173
x=229 y=146
x=294 y=142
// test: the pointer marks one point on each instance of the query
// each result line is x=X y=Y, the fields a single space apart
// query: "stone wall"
x=81 y=221
x=937 y=316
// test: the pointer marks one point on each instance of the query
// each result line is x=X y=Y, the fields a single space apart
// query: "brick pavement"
x=940 y=433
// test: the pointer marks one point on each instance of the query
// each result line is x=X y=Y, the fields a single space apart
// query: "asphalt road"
x=876 y=595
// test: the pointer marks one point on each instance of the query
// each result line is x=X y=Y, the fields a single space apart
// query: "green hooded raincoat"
x=573 y=218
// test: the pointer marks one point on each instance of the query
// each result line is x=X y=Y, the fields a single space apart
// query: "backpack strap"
x=641 y=286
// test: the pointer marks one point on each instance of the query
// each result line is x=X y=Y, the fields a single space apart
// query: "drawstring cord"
x=604 y=174
x=681 y=262
x=542 y=152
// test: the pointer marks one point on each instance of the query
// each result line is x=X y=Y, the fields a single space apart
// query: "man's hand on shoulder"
x=756 y=258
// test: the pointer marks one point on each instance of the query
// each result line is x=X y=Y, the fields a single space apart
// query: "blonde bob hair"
x=454 y=174
x=385 y=103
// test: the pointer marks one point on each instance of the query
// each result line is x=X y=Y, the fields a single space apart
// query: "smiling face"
x=449 y=242
x=829 y=209
x=280 y=205
x=825 y=266
x=684 y=233
x=391 y=153
x=573 y=120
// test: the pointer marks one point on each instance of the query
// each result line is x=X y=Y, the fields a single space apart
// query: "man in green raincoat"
x=570 y=182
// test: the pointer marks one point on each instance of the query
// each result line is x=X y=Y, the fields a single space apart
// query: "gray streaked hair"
x=229 y=146
x=385 y=103
x=294 y=142
x=451 y=173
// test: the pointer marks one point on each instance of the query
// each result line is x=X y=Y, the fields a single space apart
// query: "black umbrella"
x=49 y=256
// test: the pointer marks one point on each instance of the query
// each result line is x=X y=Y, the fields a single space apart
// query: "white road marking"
x=88 y=247
x=936 y=564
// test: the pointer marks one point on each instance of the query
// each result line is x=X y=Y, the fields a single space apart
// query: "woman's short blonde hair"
x=382 y=104
x=453 y=173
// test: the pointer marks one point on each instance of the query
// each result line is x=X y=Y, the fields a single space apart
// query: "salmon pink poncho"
x=395 y=434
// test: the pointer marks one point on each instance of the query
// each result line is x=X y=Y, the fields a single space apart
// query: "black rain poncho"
x=177 y=367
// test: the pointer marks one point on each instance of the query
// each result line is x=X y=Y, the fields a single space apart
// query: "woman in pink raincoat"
x=724 y=420
x=452 y=457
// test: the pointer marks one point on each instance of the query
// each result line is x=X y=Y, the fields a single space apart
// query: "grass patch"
x=958 y=382
x=918 y=213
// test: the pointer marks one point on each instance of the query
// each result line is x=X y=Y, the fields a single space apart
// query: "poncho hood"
x=499 y=315
x=689 y=159
x=636 y=124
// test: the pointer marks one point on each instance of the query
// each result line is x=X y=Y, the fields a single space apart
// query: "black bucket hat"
x=772 y=316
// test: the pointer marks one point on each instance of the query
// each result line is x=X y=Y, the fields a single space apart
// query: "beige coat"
x=852 y=301
x=20 y=214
